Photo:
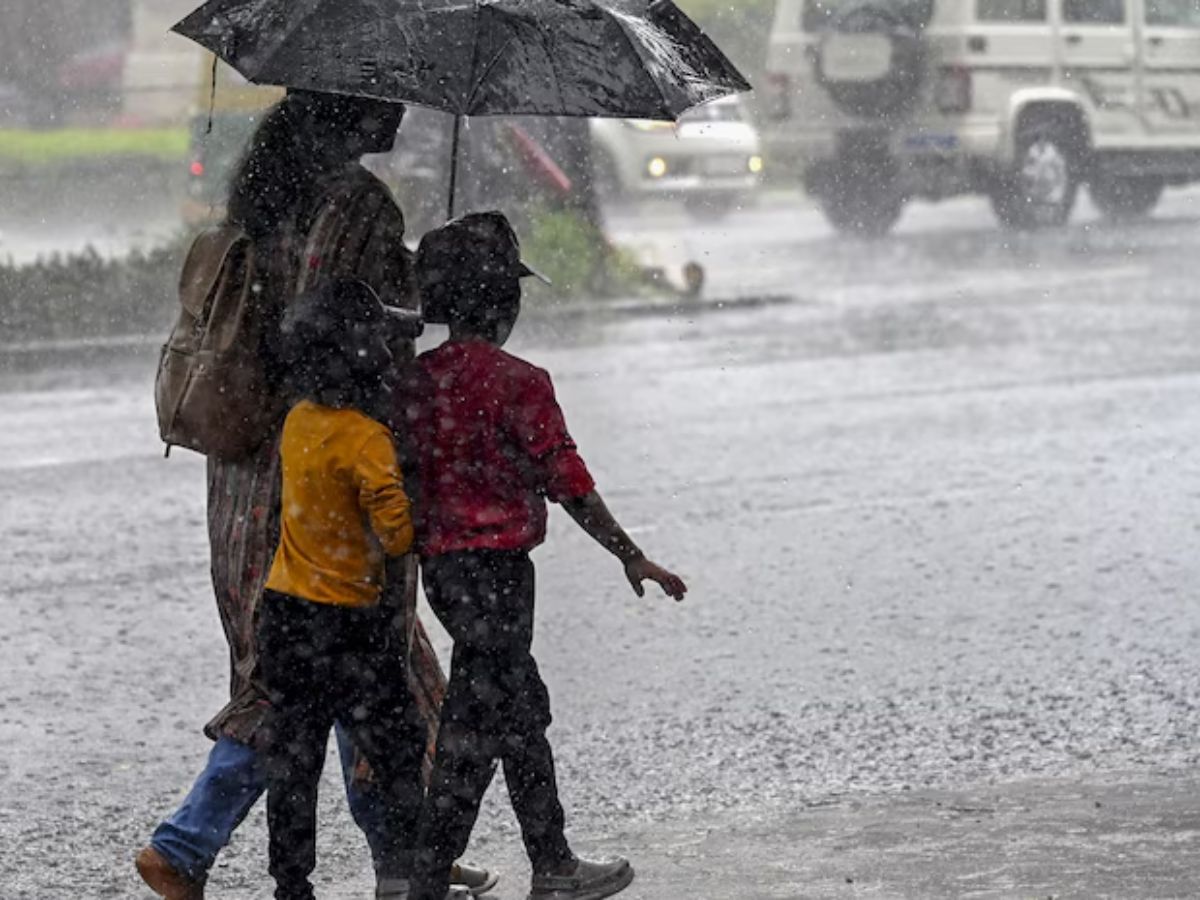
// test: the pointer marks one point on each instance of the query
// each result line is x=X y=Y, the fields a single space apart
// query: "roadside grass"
x=85 y=295
x=38 y=149
x=578 y=259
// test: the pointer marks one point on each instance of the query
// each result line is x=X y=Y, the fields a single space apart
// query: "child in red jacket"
x=492 y=447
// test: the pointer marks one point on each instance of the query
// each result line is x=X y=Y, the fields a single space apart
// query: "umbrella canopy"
x=619 y=58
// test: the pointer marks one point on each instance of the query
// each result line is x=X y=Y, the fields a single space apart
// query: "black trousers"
x=322 y=664
x=496 y=708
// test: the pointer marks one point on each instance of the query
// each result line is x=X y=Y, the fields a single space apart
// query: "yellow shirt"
x=344 y=507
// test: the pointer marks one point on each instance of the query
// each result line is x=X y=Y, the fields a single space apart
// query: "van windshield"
x=820 y=14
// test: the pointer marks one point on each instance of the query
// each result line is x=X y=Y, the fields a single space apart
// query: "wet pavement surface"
x=1099 y=837
x=938 y=516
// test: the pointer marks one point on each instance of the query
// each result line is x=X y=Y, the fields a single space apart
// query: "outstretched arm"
x=593 y=516
x=539 y=430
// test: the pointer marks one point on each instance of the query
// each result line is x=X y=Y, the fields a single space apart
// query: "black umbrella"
x=640 y=59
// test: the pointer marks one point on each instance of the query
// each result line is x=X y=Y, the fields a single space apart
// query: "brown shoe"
x=165 y=880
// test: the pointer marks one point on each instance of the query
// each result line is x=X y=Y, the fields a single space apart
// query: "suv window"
x=1094 y=12
x=1179 y=13
x=714 y=112
x=817 y=15
x=1011 y=10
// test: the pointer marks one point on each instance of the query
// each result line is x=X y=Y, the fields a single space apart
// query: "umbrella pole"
x=454 y=163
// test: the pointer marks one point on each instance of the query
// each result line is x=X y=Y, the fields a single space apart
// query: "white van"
x=874 y=102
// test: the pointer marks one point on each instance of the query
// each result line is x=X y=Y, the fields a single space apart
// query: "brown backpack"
x=212 y=391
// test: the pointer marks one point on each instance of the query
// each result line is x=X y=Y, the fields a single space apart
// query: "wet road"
x=937 y=512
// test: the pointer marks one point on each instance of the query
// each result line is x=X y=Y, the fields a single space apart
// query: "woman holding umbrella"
x=313 y=212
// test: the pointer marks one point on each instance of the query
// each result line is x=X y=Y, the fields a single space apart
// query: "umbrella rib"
x=562 y=104
x=637 y=51
x=474 y=83
x=478 y=83
x=277 y=46
x=486 y=71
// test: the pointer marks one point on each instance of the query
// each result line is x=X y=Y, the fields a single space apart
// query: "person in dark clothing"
x=492 y=446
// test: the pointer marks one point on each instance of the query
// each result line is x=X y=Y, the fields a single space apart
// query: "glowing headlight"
x=657 y=167
x=648 y=125
x=755 y=164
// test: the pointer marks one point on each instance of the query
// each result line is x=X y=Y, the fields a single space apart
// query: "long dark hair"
x=302 y=138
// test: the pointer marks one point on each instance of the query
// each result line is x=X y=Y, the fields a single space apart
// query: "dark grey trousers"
x=496 y=708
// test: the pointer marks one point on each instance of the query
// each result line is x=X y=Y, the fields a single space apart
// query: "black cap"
x=480 y=243
x=473 y=249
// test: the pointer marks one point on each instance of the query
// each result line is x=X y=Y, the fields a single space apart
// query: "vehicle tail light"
x=197 y=169
x=778 y=96
x=955 y=90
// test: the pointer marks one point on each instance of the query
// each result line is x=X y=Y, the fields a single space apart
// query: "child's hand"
x=641 y=569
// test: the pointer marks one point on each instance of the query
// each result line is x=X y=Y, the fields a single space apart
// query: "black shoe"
x=587 y=881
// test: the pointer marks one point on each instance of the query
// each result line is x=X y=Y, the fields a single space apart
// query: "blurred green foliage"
x=576 y=256
x=69 y=145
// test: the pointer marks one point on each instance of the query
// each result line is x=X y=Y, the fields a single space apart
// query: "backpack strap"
x=205 y=264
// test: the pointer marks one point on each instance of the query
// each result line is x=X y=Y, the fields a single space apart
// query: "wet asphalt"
x=936 y=508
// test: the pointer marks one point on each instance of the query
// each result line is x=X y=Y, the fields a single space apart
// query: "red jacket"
x=491 y=446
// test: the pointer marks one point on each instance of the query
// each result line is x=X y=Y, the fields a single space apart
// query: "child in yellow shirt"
x=324 y=649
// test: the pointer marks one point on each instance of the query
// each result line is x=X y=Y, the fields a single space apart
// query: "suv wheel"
x=1041 y=190
x=863 y=199
x=1124 y=198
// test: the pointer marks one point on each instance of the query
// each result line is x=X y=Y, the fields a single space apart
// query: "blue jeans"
x=231 y=783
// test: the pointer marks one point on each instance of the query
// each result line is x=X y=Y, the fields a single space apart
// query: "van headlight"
x=755 y=165
x=656 y=167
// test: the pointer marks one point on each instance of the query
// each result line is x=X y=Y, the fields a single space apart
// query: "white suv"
x=874 y=102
